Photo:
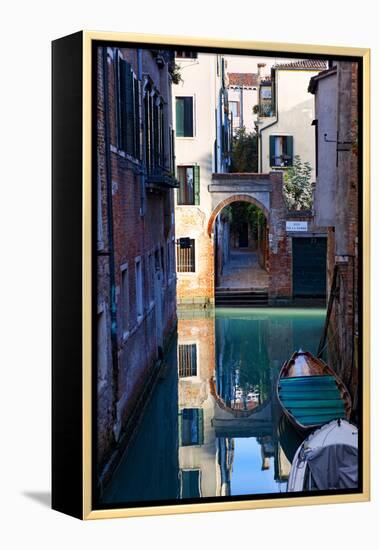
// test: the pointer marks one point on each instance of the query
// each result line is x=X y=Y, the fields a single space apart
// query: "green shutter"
x=137 y=120
x=122 y=105
x=179 y=117
x=130 y=110
x=180 y=427
x=272 y=150
x=196 y=181
x=289 y=151
x=188 y=116
x=200 y=420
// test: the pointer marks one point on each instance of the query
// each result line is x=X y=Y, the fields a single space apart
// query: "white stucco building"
x=286 y=113
x=202 y=144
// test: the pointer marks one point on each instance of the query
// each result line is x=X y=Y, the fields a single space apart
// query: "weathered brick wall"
x=135 y=236
x=343 y=330
x=280 y=249
x=196 y=288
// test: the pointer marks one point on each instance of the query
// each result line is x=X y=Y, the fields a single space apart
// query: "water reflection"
x=213 y=426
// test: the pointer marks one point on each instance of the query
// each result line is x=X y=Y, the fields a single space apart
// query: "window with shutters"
x=154 y=130
x=189 y=190
x=191 y=427
x=184 y=116
x=187 y=360
x=124 y=300
x=185 y=257
x=281 y=151
x=128 y=109
x=139 y=291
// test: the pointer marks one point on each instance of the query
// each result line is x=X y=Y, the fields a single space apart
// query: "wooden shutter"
x=137 y=118
x=196 y=183
x=289 y=150
x=130 y=109
x=272 y=151
x=188 y=116
x=200 y=426
x=122 y=103
x=180 y=116
x=180 y=428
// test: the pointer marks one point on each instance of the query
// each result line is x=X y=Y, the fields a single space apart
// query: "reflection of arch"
x=229 y=200
x=237 y=413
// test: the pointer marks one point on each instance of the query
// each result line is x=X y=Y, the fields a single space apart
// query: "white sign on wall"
x=296 y=226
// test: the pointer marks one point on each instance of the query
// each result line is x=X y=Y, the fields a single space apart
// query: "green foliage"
x=176 y=75
x=244 y=152
x=242 y=212
x=297 y=188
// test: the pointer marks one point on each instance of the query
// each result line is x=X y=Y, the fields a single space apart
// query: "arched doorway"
x=239 y=226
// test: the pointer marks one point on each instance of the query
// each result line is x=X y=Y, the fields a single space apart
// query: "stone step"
x=241 y=297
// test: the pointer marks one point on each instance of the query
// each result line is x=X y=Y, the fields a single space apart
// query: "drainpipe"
x=268 y=126
x=241 y=106
x=139 y=77
x=112 y=278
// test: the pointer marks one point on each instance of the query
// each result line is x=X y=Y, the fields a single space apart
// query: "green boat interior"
x=312 y=400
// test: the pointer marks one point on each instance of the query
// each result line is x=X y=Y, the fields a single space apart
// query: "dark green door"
x=309 y=267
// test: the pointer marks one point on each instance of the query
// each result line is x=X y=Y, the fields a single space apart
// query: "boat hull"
x=311 y=394
x=337 y=434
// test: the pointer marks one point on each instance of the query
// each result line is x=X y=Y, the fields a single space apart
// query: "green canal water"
x=213 y=427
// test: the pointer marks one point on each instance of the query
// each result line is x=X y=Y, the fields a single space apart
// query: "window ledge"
x=124 y=155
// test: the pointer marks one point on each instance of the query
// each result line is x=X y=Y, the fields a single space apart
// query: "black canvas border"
x=67 y=261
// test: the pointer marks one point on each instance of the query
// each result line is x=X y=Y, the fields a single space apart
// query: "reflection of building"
x=135 y=233
x=211 y=424
x=336 y=207
x=202 y=147
x=285 y=115
x=198 y=449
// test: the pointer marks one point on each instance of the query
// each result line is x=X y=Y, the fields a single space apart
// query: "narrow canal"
x=213 y=426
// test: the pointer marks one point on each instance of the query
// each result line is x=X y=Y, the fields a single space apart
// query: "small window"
x=234 y=108
x=189 y=179
x=191 y=427
x=139 y=295
x=187 y=359
x=190 y=484
x=124 y=299
x=281 y=151
x=127 y=109
x=186 y=256
x=184 y=117
x=185 y=54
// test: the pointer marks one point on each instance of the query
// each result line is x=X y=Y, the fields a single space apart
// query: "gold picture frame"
x=81 y=364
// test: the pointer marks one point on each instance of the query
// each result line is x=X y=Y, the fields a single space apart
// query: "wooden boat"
x=311 y=393
x=327 y=459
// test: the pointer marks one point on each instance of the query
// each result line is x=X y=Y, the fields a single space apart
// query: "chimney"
x=260 y=67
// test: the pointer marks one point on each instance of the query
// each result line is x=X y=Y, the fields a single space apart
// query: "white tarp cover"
x=333 y=467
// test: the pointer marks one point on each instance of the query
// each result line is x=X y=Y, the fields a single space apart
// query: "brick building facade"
x=337 y=208
x=136 y=284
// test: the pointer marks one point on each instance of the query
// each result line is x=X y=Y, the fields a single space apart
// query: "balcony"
x=160 y=179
